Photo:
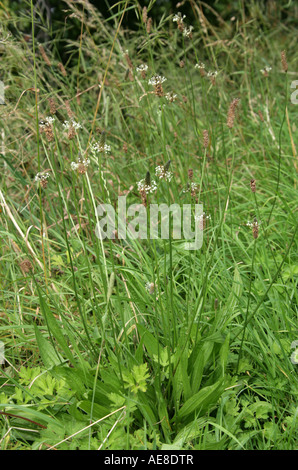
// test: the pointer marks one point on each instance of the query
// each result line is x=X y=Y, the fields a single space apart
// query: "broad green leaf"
x=150 y=342
x=183 y=366
x=216 y=445
x=16 y=173
x=49 y=356
x=75 y=378
x=55 y=329
x=176 y=446
x=145 y=408
x=163 y=415
x=98 y=411
x=224 y=315
x=29 y=413
x=202 y=400
x=199 y=364
x=224 y=353
x=191 y=431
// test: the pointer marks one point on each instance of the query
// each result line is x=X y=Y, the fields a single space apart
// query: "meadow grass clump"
x=131 y=343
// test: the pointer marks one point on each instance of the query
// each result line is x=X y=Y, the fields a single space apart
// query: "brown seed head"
x=78 y=97
x=261 y=115
x=180 y=25
x=26 y=266
x=49 y=133
x=44 y=56
x=62 y=69
x=71 y=133
x=149 y=25
x=284 y=61
x=52 y=104
x=158 y=89
x=82 y=169
x=43 y=183
x=253 y=185
x=231 y=112
x=143 y=197
x=129 y=62
x=255 y=229
x=144 y=15
x=205 y=138
x=68 y=110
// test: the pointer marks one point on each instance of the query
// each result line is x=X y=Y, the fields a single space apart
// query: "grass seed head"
x=284 y=61
x=71 y=133
x=205 y=138
x=44 y=56
x=232 y=112
x=52 y=104
x=253 y=185
x=62 y=69
x=144 y=15
x=261 y=116
x=149 y=25
x=26 y=266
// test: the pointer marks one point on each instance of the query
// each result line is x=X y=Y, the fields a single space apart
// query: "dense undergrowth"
x=142 y=344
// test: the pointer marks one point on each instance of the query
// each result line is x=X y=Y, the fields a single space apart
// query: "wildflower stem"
x=279 y=150
x=246 y=321
x=38 y=144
